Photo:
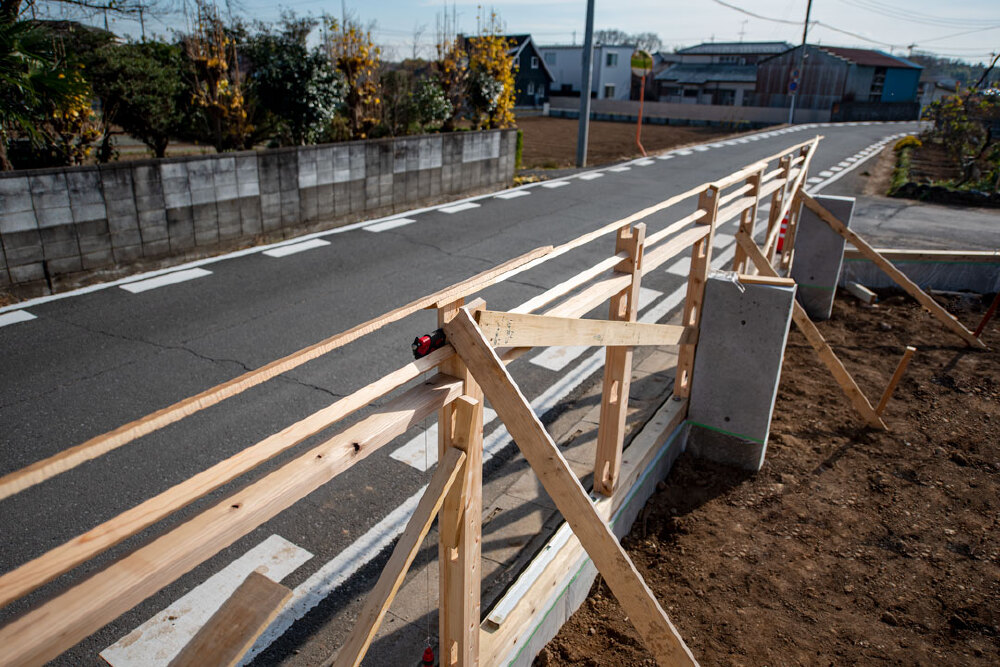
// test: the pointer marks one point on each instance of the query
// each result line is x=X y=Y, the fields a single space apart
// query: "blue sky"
x=968 y=29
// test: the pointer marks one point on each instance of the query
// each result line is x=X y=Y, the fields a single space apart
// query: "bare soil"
x=931 y=163
x=550 y=143
x=850 y=546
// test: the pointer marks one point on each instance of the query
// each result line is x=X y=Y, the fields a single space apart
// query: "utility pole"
x=585 y=80
x=142 y=24
x=802 y=58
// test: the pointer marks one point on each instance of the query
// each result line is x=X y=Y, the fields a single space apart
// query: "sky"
x=964 y=29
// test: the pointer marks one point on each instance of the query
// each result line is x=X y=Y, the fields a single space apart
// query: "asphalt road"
x=90 y=362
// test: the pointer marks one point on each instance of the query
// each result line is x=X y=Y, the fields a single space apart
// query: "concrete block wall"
x=59 y=225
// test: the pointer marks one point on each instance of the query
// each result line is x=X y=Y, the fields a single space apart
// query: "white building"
x=612 y=77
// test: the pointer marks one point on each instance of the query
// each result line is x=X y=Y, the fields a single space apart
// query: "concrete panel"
x=17 y=222
x=357 y=161
x=268 y=173
x=325 y=165
x=307 y=168
x=23 y=247
x=93 y=236
x=250 y=216
x=247 y=182
x=736 y=371
x=981 y=277
x=819 y=255
x=26 y=273
x=59 y=242
x=341 y=164
x=180 y=228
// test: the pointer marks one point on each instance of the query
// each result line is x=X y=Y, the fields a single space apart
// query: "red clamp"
x=424 y=345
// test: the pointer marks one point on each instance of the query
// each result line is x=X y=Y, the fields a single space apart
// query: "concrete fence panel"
x=58 y=226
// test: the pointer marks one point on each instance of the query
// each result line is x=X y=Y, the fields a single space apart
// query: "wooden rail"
x=454 y=391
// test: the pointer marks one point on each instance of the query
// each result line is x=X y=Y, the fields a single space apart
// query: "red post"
x=989 y=314
x=638 y=127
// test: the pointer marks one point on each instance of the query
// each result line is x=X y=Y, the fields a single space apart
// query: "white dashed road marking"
x=590 y=176
x=554 y=184
x=284 y=250
x=15 y=316
x=389 y=224
x=166 y=279
x=513 y=194
x=459 y=207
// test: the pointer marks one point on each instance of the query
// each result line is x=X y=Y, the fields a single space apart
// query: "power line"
x=913 y=16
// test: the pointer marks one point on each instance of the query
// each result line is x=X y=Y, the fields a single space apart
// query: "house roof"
x=704 y=73
x=519 y=43
x=735 y=48
x=868 y=57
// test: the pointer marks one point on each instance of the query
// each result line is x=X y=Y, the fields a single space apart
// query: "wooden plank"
x=818 y=343
x=655 y=258
x=735 y=209
x=777 y=199
x=68 y=459
x=61 y=559
x=460 y=426
x=701 y=264
x=624 y=307
x=909 y=255
x=638 y=602
x=568 y=285
x=894 y=380
x=744 y=189
x=911 y=288
x=49 y=629
x=862 y=293
x=513 y=330
x=790 y=200
x=381 y=596
x=774 y=281
x=748 y=219
x=232 y=630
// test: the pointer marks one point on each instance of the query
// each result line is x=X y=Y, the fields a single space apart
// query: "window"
x=534 y=62
x=690 y=92
x=878 y=82
x=531 y=87
x=550 y=57
x=611 y=60
x=724 y=97
x=609 y=90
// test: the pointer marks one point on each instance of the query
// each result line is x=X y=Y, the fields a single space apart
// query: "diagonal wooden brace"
x=898 y=276
x=818 y=343
x=639 y=603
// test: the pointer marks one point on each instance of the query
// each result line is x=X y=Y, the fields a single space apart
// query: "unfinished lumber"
x=645 y=613
x=862 y=293
x=894 y=380
x=911 y=288
x=513 y=330
x=68 y=459
x=232 y=630
x=777 y=199
x=818 y=343
x=775 y=281
x=49 y=629
x=381 y=596
x=624 y=307
x=460 y=426
x=61 y=559
x=701 y=264
x=748 y=219
x=986 y=318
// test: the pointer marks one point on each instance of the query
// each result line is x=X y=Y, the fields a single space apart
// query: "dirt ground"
x=550 y=143
x=850 y=546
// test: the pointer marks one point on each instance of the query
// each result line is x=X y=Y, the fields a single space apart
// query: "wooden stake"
x=382 y=595
x=898 y=276
x=777 y=199
x=639 y=603
x=232 y=630
x=862 y=293
x=986 y=318
x=701 y=264
x=816 y=340
x=460 y=426
x=618 y=366
x=894 y=380
x=748 y=219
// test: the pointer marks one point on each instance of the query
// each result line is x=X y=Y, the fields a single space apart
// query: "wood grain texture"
x=61 y=559
x=232 y=630
x=947 y=319
x=385 y=589
x=68 y=459
x=644 y=612
x=513 y=330
x=894 y=380
x=49 y=629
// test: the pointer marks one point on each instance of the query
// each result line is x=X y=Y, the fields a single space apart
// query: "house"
x=723 y=73
x=612 y=71
x=854 y=84
x=931 y=89
x=532 y=79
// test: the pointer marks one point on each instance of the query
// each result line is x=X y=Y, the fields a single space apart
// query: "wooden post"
x=701 y=261
x=618 y=365
x=894 y=380
x=777 y=201
x=459 y=545
x=748 y=219
x=788 y=246
x=637 y=600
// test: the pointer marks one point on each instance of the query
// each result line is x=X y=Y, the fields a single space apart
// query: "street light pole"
x=802 y=58
x=585 y=81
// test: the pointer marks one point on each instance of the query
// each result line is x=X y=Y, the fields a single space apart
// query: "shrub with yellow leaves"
x=491 y=77
x=352 y=51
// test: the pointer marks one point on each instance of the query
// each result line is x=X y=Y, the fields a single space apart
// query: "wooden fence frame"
x=459 y=373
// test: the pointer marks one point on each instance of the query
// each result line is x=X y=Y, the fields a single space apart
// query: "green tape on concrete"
x=725 y=432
